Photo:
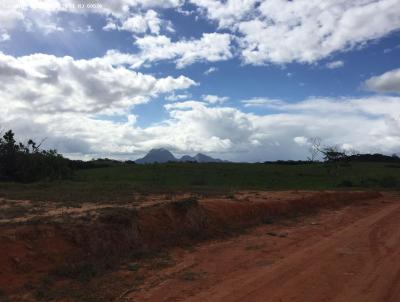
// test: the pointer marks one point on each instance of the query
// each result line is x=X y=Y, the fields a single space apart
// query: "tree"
x=19 y=162
x=314 y=149
x=332 y=155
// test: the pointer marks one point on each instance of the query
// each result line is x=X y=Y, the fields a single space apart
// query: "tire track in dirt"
x=323 y=273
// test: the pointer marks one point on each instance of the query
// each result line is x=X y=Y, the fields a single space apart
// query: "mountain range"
x=163 y=155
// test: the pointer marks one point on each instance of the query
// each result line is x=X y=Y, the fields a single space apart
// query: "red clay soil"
x=351 y=254
x=31 y=251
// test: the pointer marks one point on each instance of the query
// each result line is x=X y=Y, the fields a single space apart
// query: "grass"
x=120 y=183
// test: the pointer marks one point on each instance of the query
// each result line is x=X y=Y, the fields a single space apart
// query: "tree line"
x=28 y=162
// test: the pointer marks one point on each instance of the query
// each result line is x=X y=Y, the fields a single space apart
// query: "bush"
x=27 y=163
x=388 y=182
x=346 y=183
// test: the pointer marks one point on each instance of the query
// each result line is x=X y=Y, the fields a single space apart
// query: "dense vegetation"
x=120 y=181
x=27 y=163
x=25 y=171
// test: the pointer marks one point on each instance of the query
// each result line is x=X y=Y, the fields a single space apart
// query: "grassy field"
x=120 y=181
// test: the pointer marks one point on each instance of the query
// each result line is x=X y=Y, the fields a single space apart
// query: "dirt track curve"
x=347 y=255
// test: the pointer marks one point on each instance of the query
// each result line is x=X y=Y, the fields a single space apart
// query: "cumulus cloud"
x=305 y=31
x=366 y=124
x=226 y=13
x=140 y=23
x=334 y=64
x=80 y=105
x=177 y=97
x=211 y=47
x=47 y=84
x=214 y=99
x=262 y=31
x=370 y=124
x=387 y=82
x=43 y=14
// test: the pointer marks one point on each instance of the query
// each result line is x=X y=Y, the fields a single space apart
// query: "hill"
x=163 y=156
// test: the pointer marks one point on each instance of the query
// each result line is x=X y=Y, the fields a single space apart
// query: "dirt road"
x=351 y=254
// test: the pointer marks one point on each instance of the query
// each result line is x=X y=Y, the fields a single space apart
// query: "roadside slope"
x=344 y=254
x=358 y=263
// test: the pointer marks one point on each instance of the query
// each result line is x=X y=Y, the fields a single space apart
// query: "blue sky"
x=245 y=80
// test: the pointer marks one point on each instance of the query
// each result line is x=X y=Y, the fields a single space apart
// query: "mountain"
x=187 y=158
x=202 y=158
x=163 y=155
x=156 y=156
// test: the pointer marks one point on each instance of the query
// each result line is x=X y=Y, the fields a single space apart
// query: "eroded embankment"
x=32 y=250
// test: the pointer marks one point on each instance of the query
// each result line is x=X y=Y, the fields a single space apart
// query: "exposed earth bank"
x=349 y=251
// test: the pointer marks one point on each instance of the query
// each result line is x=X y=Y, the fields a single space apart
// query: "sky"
x=242 y=80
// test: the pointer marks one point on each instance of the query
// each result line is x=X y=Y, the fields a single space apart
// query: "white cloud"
x=376 y=105
x=58 y=102
x=42 y=15
x=262 y=31
x=83 y=30
x=115 y=57
x=263 y=102
x=110 y=25
x=143 y=23
x=63 y=99
x=140 y=23
x=214 y=99
x=301 y=140
x=305 y=31
x=387 y=82
x=177 y=97
x=334 y=64
x=4 y=37
x=226 y=13
x=211 y=47
x=46 y=84
x=366 y=124
x=210 y=70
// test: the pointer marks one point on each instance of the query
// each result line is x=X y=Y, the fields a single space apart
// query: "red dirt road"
x=351 y=254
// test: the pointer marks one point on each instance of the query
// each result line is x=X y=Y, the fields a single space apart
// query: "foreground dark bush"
x=27 y=163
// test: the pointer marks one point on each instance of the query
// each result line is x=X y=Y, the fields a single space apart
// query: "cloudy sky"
x=244 y=80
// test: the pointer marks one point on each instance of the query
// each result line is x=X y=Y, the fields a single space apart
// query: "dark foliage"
x=374 y=158
x=27 y=163
x=289 y=162
x=94 y=164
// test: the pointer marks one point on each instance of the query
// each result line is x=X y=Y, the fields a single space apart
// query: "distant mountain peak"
x=159 y=150
x=162 y=155
x=202 y=158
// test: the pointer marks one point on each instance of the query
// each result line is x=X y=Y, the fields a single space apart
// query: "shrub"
x=82 y=271
x=388 y=182
x=346 y=183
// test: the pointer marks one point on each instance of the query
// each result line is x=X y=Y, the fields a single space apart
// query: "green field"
x=120 y=181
